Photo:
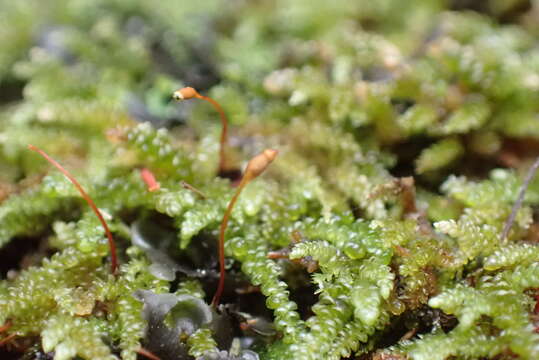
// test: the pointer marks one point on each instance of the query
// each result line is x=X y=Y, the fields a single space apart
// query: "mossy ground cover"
x=404 y=131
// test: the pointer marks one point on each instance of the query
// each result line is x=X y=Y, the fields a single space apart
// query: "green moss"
x=354 y=95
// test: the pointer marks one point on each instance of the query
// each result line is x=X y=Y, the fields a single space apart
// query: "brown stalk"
x=7 y=339
x=190 y=187
x=255 y=167
x=142 y=351
x=187 y=93
x=67 y=174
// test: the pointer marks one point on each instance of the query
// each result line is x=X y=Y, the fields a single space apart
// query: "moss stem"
x=67 y=174
x=189 y=93
x=520 y=199
x=255 y=167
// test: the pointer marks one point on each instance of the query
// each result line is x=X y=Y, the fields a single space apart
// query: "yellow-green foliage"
x=393 y=120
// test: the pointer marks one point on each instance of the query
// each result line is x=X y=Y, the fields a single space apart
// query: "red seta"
x=67 y=174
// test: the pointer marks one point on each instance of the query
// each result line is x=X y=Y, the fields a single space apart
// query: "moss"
x=404 y=134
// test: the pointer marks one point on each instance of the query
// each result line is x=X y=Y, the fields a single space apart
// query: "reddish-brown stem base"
x=222 y=231
x=148 y=354
x=7 y=339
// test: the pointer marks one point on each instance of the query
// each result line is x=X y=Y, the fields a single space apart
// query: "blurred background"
x=413 y=65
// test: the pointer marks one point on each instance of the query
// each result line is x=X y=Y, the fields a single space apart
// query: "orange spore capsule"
x=186 y=93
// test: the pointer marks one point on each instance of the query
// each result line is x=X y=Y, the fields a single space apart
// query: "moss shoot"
x=399 y=221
